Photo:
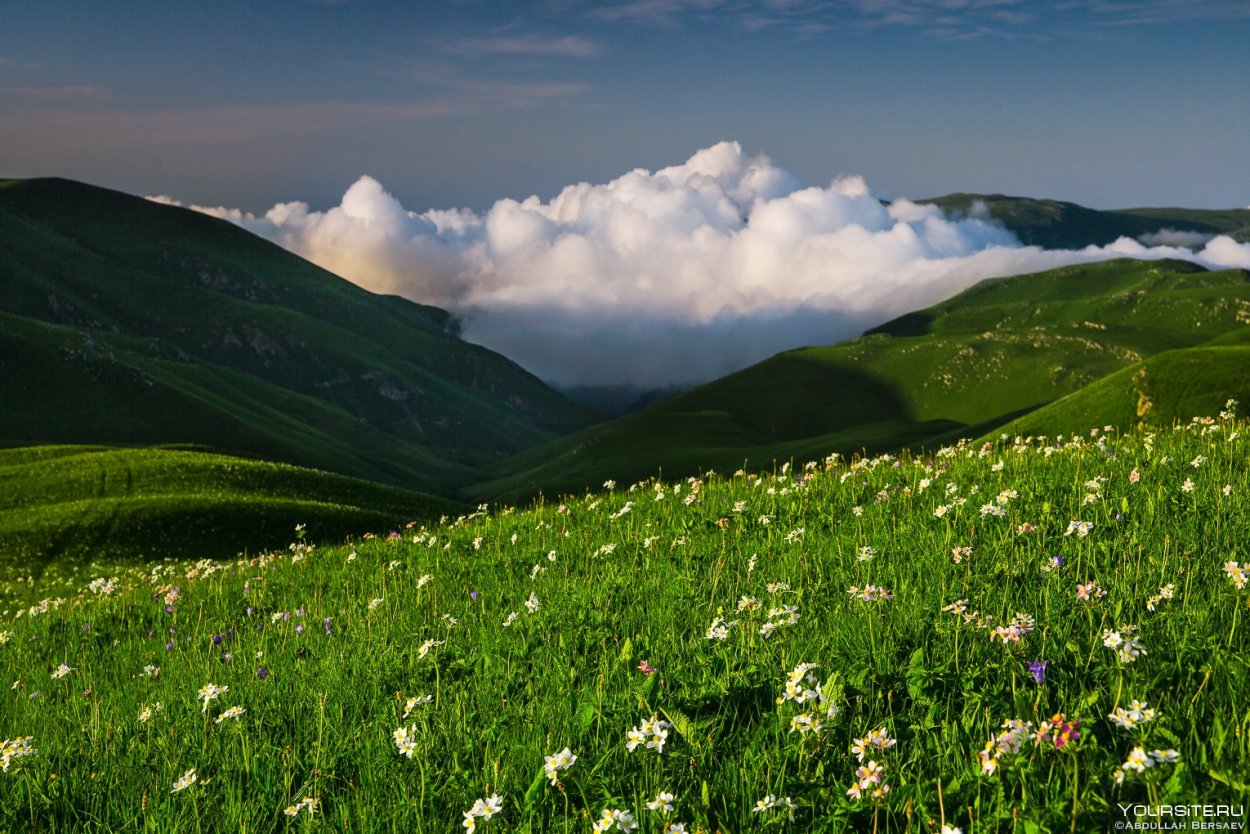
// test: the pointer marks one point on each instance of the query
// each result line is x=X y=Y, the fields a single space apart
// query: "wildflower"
x=652 y=732
x=1138 y=713
x=719 y=629
x=1037 y=668
x=425 y=647
x=1090 y=591
x=1125 y=643
x=878 y=739
x=614 y=819
x=866 y=553
x=532 y=604
x=61 y=671
x=1138 y=760
x=556 y=762
x=1006 y=743
x=1134 y=476
x=958 y=554
x=16 y=748
x=1014 y=631
x=959 y=606
x=869 y=593
x=415 y=701
x=663 y=803
x=1081 y=528
x=210 y=692
x=262 y=672
x=646 y=668
x=308 y=803
x=482 y=809
x=404 y=740
x=512 y=617
x=1188 y=486
x=185 y=781
x=232 y=713
x=1236 y=574
x=869 y=776
x=1168 y=591
x=1058 y=731
x=804 y=724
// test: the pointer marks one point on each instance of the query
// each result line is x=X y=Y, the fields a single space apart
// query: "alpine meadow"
x=625 y=417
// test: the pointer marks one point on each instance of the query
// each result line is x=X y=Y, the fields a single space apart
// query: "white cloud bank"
x=672 y=277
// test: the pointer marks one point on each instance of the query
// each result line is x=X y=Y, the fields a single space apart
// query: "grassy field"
x=1019 y=636
x=63 y=508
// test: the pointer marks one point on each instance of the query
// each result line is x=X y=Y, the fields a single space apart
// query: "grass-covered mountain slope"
x=1055 y=224
x=1028 y=636
x=996 y=351
x=64 y=507
x=129 y=321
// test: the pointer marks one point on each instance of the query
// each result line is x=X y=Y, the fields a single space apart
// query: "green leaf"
x=1225 y=779
x=917 y=675
x=586 y=717
x=535 y=791
x=684 y=726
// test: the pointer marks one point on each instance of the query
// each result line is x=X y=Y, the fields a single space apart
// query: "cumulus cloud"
x=671 y=277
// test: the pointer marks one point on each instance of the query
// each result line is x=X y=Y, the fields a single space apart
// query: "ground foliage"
x=741 y=653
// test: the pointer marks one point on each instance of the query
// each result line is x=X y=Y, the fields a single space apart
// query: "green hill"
x=1055 y=224
x=126 y=321
x=67 y=506
x=999 y=350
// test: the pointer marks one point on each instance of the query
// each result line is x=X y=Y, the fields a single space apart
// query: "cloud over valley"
x=676 y=276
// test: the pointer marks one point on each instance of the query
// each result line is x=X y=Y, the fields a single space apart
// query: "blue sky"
x=1109 y=103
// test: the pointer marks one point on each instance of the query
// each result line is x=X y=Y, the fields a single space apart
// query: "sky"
x=1109 y=103
x=642 y=193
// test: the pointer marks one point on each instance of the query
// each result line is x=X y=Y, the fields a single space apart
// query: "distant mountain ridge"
x=128 y=321
x=1055 y=224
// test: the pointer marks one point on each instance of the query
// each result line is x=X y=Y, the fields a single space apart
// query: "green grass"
x=643 y=573
x=65 y=508
x=1001 y=349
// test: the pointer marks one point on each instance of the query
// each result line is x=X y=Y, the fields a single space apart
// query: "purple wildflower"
x=262 y=672
x=1038 y=669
